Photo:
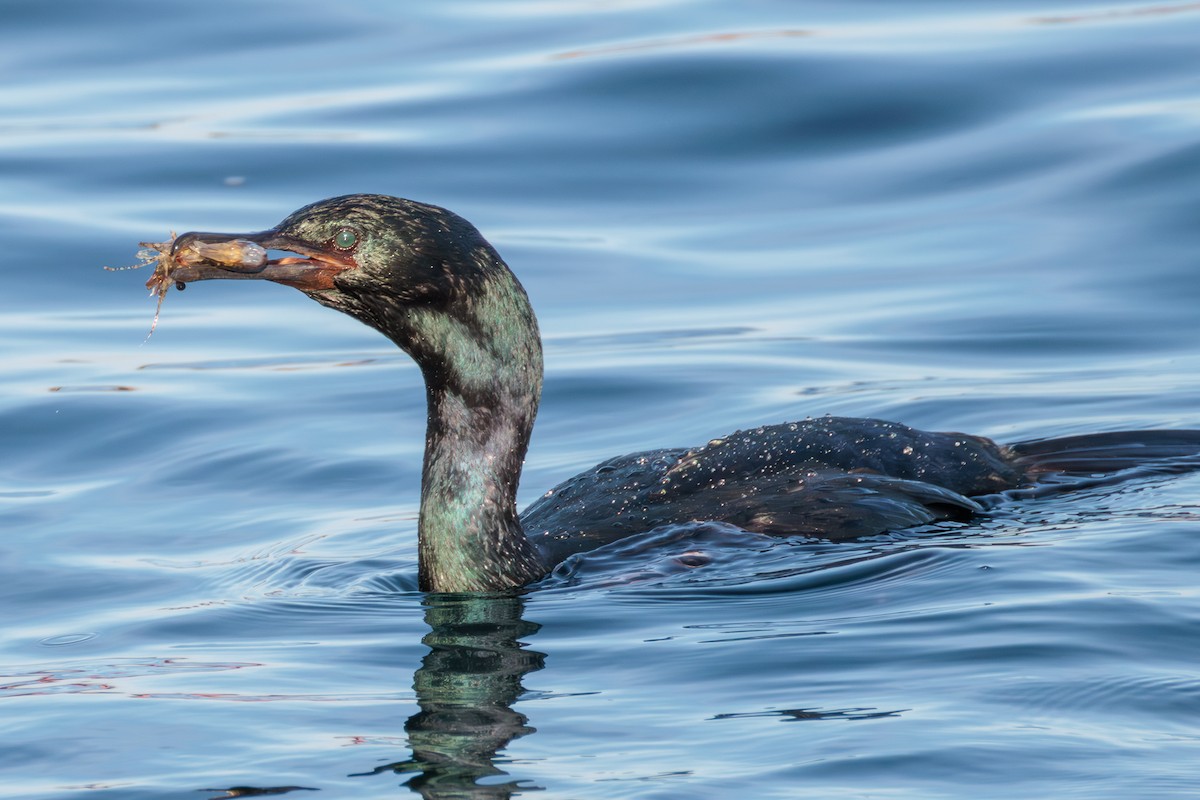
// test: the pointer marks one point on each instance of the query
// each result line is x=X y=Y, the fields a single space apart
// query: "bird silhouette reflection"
x=466 y=687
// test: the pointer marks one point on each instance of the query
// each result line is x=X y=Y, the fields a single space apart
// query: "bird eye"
x=345 y=239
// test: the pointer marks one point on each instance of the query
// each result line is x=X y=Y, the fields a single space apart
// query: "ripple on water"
x=118 y=676
x=801 y=714
x=289 y=570
x=1152 y=698
x=715 y=559
x=65 y=639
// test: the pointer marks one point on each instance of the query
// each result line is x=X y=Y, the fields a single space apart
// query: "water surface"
x=972 y=218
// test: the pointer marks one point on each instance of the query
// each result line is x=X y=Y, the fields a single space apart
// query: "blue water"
x=977 y=217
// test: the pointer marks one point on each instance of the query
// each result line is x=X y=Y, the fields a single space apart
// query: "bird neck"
x=482 y=362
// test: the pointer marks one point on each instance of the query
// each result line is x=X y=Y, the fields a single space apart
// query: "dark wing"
x=968 y=465
x=832 y=478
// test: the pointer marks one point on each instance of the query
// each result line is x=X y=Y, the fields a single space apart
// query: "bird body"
x=429 y=281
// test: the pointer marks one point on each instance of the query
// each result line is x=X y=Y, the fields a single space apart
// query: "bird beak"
x=200 y=256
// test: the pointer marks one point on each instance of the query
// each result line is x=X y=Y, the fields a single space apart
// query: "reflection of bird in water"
x=429 y=281
x=465 y=688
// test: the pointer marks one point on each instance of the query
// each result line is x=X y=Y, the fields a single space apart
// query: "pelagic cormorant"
x=430 y=282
